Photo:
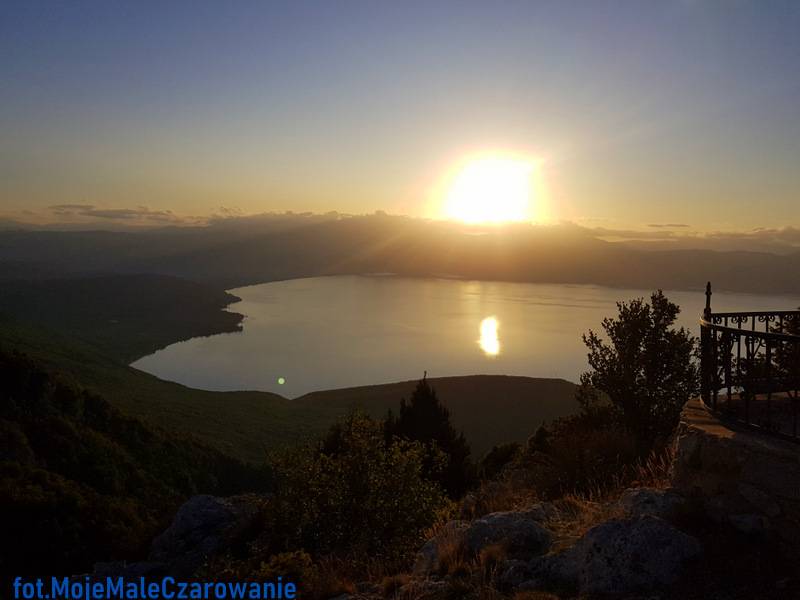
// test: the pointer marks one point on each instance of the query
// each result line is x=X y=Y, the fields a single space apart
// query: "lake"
x=331 y=332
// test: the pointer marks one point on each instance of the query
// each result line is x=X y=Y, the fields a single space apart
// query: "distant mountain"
x=231 y=254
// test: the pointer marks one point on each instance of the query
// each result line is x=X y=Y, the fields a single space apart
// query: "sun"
x=491 y=189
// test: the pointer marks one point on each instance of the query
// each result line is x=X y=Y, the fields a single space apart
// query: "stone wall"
x=741 y=476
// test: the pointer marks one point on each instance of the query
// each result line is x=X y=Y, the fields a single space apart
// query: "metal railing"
x=750 y=367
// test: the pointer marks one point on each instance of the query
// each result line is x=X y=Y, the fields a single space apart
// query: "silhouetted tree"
x=426 y=420
x=644 y=368
x=354 y=495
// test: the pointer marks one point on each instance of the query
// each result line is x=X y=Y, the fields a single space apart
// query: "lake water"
x=332 y=332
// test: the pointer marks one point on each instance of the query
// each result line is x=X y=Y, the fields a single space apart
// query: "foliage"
x=580 y=455
x=644 y=369
x=355 y=494
x=126 y=316
x=426 y=420
x=80 y=482
x=498 y=457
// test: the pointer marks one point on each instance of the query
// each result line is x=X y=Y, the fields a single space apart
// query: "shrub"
x=498 y=457
x=356 y=495
x=645 y=369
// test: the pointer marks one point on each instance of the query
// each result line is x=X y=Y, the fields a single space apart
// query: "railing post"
x=706 y=368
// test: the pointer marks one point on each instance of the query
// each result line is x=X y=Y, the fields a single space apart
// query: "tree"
x=644 y=368
x=354 y=495
x=426 y=420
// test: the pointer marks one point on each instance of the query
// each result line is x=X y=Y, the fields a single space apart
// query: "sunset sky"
x=632 y=113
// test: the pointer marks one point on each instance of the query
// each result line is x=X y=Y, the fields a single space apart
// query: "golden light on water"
x=489 y=340
x=493 y=188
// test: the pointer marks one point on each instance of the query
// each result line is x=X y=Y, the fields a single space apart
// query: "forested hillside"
x=126 y=317
x=81 y=482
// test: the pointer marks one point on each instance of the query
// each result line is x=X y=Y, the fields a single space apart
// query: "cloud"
x=632 y=234
x=140 y=214
x=788 y=235
x=780 y=240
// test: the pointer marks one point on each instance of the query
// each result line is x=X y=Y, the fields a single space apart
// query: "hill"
x=126 y=317
x=80 y=481
x=489 y=409
x=246 y=424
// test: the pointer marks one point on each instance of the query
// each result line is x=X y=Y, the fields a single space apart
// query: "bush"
x=356 y=494
x=645 y=369
x=498 y=457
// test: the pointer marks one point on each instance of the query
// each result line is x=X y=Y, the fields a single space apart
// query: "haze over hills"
x=243 y=251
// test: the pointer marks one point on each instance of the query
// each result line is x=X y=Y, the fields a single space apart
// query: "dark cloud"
x=668 y=225
x=780 y=235
x=138 y=214
x=69 y=210
x=632 y=234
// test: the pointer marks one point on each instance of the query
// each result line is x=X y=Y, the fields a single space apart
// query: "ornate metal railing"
x=750 y=367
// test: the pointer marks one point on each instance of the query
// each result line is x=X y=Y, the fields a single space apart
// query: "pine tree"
x=426 y=420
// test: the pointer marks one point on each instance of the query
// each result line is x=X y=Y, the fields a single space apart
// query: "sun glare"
x=491 y=189
x=489 y=340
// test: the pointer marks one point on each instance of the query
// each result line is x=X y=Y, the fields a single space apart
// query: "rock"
x=201 y=527
x=521 y=536
x=759 y=499
x=621 y=556
x=427 y=589
x=513 y=573
x=427 y=560
x=750 y=524
x=542 y=511
x=637 y=502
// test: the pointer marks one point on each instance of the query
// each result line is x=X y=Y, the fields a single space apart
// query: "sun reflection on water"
x=489 y=340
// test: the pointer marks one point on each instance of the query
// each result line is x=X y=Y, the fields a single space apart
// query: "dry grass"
x=330 y=580
x=454 y=558
x=495 y=496
x=530 y=595
x=489 y=560
x=391 y=585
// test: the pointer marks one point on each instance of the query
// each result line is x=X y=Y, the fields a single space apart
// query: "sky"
x=637 y=113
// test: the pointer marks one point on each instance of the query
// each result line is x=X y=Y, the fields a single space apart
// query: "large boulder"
x=620 y=556
x=638 y=502
x=522 y=536
x=201 y=527
x=519 y=533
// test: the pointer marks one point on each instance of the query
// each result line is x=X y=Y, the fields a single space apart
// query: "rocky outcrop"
x=198 y=530
x=643 y=501
x=203 y=526
x=520 y=533
x=742 y=477
x=521 y=536
x=619 y=556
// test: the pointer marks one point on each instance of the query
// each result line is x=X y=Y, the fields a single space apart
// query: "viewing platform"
x=750 y=368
